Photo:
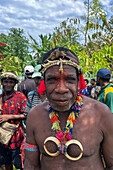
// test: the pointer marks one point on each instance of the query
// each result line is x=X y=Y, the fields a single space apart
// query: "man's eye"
x=52 y=79
x=11 y=82
x=70 y=79
x=5 y=81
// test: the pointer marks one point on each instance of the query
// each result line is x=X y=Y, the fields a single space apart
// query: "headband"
x=9 y=75
x=59 y=58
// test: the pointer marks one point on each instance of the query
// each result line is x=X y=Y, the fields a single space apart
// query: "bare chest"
x=85 y=135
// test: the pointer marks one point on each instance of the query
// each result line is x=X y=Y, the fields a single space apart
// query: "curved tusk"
x=56 y=141
x=78 y=144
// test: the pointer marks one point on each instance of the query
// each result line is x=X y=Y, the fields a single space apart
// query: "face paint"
x=61 y=67
x=61 y=88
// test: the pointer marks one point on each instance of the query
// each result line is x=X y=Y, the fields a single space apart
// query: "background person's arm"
x=4 y=118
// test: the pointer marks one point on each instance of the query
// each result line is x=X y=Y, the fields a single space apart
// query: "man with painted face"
x=70 y=131
x=13 y=106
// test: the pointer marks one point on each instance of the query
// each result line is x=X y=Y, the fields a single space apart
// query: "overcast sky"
x=41 y=16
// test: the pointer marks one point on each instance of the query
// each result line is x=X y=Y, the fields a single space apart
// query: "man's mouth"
x=8 y=88
x=61 y=102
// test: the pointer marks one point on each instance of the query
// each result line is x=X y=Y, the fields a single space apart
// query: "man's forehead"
x=66 y=69
x=9 y=79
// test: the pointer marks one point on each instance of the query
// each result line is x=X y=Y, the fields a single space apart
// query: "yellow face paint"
x=61 y=66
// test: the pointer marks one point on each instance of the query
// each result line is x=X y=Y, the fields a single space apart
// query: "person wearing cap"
x=40 y=85
x=105 y=95
x=28 y=84
x=13 y=104
x=38 y=95
x=69 y=130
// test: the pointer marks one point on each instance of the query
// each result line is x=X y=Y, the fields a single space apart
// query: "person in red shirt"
x=13 y=104
x=40 y=85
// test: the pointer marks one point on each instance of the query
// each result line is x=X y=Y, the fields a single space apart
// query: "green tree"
x=95 y=24
x=111 y=28
x=17 y=47
x=66 y=34
x=39 y=48
x=7 y=61
x=97 y=52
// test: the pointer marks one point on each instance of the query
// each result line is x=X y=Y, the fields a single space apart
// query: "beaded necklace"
x=73 y=114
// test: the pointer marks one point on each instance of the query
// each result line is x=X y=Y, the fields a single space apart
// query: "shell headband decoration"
x=59 y=58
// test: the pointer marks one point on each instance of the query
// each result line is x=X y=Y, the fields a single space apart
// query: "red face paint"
x=61 y=88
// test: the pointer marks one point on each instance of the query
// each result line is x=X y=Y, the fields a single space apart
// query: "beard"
x=62 y=106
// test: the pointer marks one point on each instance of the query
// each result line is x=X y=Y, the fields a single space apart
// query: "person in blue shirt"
x=87 y=90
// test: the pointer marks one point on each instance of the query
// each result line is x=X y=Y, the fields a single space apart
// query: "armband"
x=33 y=148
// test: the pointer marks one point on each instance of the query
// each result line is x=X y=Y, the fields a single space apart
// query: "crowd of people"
x=91 y=89
x=102 y=89
x=60 y=126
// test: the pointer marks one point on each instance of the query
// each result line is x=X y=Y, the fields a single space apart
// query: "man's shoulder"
x=26 y=80
x=96 y=108
x=17 y=93
x=87 y=99
x=22 y=82
x=39 y=110
x=108 y=91
x=109 y=88
x=29 y=83
x=29 y=80
x=44 y=106
x=92 y=103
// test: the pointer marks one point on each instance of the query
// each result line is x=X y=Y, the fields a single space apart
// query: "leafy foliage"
x=92 y=41
x=39 y=48
x=16 y=52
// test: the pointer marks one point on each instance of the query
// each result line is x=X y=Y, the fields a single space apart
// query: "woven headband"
x=9 y=75
x=59 y=58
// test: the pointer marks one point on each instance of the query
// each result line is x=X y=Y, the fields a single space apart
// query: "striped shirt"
x=33 y=100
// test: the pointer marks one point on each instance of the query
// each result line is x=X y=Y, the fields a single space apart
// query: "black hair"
x=93 y=79
x=105 y=80
x=86 y=80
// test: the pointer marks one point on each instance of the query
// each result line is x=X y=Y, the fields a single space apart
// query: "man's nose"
x=61 y=87
x=8 y=83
